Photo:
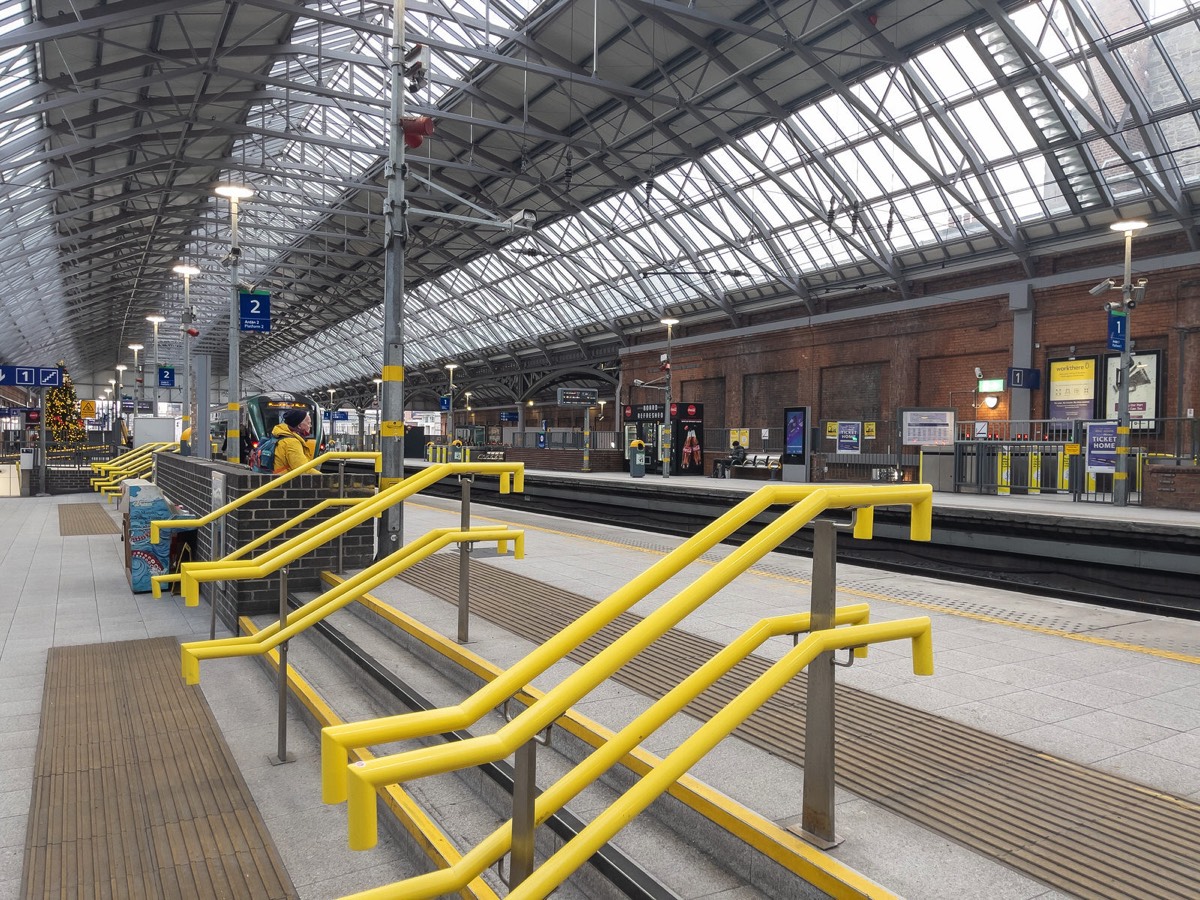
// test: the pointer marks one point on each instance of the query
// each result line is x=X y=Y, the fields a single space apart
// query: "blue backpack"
x=262 y=457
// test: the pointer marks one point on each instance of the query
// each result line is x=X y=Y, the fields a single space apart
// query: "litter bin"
x=637 y=461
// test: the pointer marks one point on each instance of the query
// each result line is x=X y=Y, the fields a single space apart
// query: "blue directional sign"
x=255 y=309
x=30 y=376
x=1118 y=323
x=166 y=376
x=444 y=403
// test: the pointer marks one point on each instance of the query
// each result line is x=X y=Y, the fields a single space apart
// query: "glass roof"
x=1054 y=112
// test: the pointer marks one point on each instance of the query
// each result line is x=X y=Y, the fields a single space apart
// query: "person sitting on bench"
x=737 y=456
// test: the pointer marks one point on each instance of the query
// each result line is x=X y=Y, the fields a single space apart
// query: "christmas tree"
x=63 y=425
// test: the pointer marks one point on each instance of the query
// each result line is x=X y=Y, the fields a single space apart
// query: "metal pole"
x=817 y=823
x=391 y=428
x=524 y=796
x=184 y=324
x=154 y=394
x=137 y=388
x=282 y=755
x=665 y=448
x=42 y=444
x=233 y=430
x=464 y=564
x=341 y=495
x=1121 y=475
x=587 y=439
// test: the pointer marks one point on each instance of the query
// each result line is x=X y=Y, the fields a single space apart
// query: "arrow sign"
x=31 y=376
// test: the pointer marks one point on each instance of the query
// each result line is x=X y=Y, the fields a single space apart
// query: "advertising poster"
x=1072 y=389
x=849 y=437
x=1143 y=389
x=1101 y=453
x=795 y=431
x=741 y=435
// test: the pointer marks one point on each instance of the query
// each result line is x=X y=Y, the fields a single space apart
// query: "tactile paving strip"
x=135 y=792
x=85 y=518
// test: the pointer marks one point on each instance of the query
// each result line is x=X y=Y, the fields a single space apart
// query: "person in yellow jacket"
x=291 y=454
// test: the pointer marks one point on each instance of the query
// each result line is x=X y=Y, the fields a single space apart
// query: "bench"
x=758 y=468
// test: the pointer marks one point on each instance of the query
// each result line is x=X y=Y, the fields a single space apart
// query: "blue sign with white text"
x=444 y=403
x=1118 y=322
x=255 y=310
x=166 y=376
x=30 y=376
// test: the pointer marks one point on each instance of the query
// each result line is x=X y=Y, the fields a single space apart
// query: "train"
x=262 y=412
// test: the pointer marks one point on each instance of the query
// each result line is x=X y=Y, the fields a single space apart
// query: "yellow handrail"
x=110 y=486
x=554 y=798
x=807 y=500
x=118 y=461
x=293 y=548
x=575 y=852
x=308 y=466
x=347 y=592
x=157 y=581
x=139 y=460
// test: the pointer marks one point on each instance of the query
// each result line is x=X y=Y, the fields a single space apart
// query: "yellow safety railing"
x=157 y=581
x=283 y=479
x=110 y=486
x=292 y=549
x=806 y=501
x=119 y=467
x=118 y=462
x=659 y=779
x=347 y=592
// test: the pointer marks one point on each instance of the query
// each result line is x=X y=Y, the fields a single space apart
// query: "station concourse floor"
x=1112 y=689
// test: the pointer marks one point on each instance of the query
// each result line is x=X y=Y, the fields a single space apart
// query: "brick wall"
x=1171 y=487
x=566 y=460
x=188 y=482
x=927 y=357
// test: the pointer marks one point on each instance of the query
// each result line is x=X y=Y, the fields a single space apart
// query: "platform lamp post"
x=666 y=438
x=137 y=387
x=155 y=320
x=330 y=435
x=186 y=328
x=1130 y=295
x=234 y=193
x=450 y=367
x=120 y=367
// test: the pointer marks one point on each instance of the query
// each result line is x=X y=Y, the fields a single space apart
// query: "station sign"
x=30 y=376
x=1030 y=379
x=166 y=376
x=1118 y=323
x=509 y=415
x=578 y=396
x=254 y=310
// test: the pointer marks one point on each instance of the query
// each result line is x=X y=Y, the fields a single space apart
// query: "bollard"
x=281 y=745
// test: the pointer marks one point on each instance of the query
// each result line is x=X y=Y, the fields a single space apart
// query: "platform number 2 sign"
x=255 y=311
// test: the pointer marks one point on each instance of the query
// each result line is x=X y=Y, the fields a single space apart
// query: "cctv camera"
x=1105 y=285
x=978 y=372
x=637 y=382
x=1131 y=304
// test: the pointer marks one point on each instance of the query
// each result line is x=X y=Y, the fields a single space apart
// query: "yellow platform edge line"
x=781 y=846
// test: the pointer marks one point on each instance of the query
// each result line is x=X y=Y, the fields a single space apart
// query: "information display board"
x=927 y=427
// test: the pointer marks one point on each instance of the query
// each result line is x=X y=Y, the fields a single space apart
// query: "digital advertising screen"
x=795 y=431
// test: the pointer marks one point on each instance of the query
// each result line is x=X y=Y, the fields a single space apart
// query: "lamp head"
x=185 y=269
x=234 y=191
x=1128 y=225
